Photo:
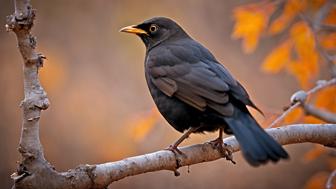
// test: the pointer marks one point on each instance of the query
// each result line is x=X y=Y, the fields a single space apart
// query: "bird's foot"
x=176 y=151
x=224 y=149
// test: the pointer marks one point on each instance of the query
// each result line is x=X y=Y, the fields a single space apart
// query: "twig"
x=328 y=28
x=329 y=184
x=322 y=14
x=323 y=115
x=34 y=172
x=320 y=85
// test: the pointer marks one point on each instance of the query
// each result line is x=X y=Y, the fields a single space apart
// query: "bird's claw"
x=176 y=151
x=224 y=149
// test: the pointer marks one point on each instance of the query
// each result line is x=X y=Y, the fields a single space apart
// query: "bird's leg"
x=223 y=148
x=218 y=141
x=174 y=148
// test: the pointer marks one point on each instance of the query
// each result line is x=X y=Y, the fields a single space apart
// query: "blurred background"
x=101 y=109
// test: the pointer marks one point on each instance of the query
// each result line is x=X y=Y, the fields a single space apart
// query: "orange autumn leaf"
x=277 y=59
x=293 y=116
x=305 y=68
x=291 y=9
x=331 y=18
x=318 y=181
x=251 y=21
x=328 y=41
x=143 y=124
x=301 y=72
x=303 y=40
x=314 y=153
x=326 y=99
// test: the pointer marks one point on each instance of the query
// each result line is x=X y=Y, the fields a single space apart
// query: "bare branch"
x=328 y=28
x=323 y=115
x=35 y=99
x=322 y=14
x=165 y=160
x=102 y=175
x=35 y=172
x=320 y=85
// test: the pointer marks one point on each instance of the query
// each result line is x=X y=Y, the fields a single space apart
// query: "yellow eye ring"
x=153 y=28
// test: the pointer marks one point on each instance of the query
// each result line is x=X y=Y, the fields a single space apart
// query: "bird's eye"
x=153 y=28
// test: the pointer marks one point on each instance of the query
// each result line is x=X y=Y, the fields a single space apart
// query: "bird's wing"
x=195 y=84
x=236 y=89
x=194 y=76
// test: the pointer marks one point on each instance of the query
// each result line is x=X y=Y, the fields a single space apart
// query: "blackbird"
x=195 y=93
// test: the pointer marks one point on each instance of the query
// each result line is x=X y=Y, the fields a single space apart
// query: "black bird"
x=195 y=93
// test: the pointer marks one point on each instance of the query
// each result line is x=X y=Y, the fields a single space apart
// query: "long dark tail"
x=257 y=146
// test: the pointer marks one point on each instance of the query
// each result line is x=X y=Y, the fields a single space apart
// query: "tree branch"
x=101 y=175
x=165 y=160
x=297 y=102
x=36 y=172
x=35 y=99
x=323 y=115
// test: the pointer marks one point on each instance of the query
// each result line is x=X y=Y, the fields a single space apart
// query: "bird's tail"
x=257 y=146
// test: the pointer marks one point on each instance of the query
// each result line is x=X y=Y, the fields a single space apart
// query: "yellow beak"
x=133 y=29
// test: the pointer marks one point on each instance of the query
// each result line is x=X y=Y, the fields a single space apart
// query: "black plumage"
x=194 y=92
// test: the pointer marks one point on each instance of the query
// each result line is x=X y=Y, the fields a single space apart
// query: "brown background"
x=95 y=82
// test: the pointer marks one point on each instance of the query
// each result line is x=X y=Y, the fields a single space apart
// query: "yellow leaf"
x=303 y=40
x=251 y=21
x=291 y=9
x=305 y=68
x=278 y=58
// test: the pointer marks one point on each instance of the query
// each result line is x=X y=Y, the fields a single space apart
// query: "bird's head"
x=156 y=30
